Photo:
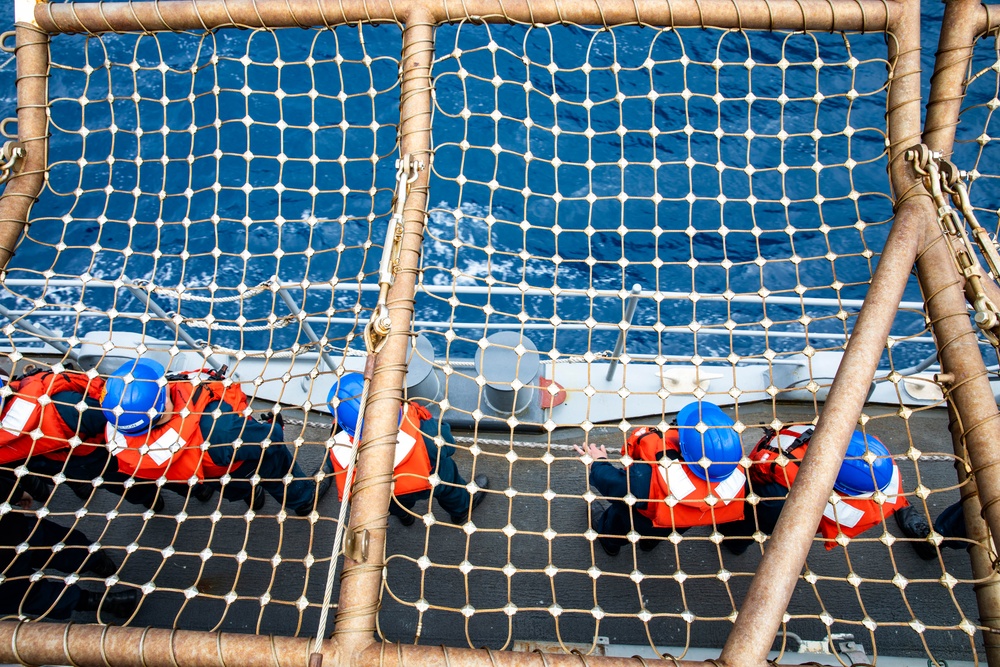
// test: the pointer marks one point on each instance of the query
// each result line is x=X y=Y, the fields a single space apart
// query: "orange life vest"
x=176 y=449
x=412 y=464
x=26 y=411
x=851 y=515
x=678 y=498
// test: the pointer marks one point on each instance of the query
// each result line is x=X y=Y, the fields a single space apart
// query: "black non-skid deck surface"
x=271 y=592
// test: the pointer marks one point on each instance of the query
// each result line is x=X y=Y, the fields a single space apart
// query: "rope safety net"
x=240 y=182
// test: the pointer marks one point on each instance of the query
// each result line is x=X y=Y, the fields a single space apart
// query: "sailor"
x=52 y=423
x=189 y=429
x=29 y=544
x=685 y=477
x=420 y=452
x=868 y=490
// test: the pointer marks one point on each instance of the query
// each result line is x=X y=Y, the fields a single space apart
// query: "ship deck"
x=535 y=587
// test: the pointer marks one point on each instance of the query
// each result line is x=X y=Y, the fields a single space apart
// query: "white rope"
x=338 y=537
x=183 y=295
x=199 y=323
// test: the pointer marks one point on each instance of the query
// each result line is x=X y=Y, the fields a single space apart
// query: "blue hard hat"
x=719 y=442
x=348 y=391
x=134 y=388
x=856 y=475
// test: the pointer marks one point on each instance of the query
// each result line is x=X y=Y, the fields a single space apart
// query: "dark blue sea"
x=689 y=161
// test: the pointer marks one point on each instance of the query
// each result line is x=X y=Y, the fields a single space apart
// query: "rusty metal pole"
x=99 y=646
x=970 y=395
x=964 y=22
x=32 y=51
x=98 y=17
x=361 y=581
x=987 y=585
x=84 y=645
x=772 y=586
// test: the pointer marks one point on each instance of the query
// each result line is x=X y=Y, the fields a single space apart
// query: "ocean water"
x=566 y=159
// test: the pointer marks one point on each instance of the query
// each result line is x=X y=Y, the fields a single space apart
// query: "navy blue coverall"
x=270 y=463
x=614 y=483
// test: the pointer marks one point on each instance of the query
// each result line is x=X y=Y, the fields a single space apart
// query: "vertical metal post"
x=32 y=52
x=973 y=416
x=310 y=334
x=761 y=614
x=361 y=581
x=987 y=587
x=148 y=302
x=630 y=306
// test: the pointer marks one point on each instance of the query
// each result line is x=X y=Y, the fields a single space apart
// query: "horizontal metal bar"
x=511 y=291
x=93 y=17
x=529 y=326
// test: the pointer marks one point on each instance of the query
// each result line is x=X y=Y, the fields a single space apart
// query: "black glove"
x=271 y=418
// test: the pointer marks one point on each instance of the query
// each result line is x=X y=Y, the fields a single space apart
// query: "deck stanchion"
x=361 y=582
x=307 y=328
x=974 y=423
x=630 y=305
x=32 y=49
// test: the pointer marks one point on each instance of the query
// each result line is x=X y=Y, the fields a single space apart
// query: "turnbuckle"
x=942 y=177
x=378 y=327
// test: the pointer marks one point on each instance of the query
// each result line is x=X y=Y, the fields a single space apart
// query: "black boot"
x=256 y=499
x=203 y=492
x=321 y=490
x=914 y=525
x=155 y=503
x=483 y=482
x=609 y=549
x=82 y=491
x=100 y=563
x=121 y=604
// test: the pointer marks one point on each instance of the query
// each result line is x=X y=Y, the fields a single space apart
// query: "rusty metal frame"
x=762 y=611
x=974 y=422
x=23 y=188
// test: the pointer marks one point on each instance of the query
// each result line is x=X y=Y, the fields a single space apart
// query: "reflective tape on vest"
x=681 y=486
x=844 y=513
x=848 y=515
x=731 y=486
x=677 y=480
x=163 y=448
x=404 y=445
x=116 y=440
x=160 y=450
x=343 y=444
x=17 y=416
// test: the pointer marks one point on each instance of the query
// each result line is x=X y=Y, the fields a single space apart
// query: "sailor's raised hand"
x=593 y=451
